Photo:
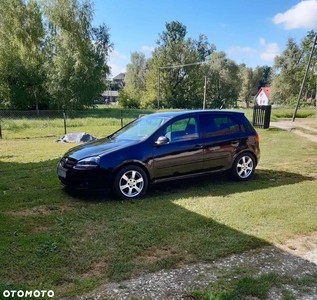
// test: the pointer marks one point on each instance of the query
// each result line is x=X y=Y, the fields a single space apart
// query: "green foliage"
x=223 y=81
x=21 y=55
x=134 y=87
x=289 y=70
x=177 y=60
x=47 y=57
x=76 y=65
x=126 y=101
x=252 y=80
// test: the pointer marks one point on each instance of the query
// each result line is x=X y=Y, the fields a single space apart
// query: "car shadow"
x=222 y=184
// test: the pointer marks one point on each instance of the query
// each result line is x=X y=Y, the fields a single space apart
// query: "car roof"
x=176 y=113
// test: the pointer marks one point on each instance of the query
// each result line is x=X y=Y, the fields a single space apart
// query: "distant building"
x=119 y=78
x=262 y=97
x=111 y=95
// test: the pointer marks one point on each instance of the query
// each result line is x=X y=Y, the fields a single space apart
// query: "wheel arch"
x=130 y=163
x=246 y=151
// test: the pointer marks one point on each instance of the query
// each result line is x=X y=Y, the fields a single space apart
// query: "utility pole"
x=158 y=88
x=205 y=87
x=304 y=79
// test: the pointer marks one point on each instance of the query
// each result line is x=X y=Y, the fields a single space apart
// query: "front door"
x=184 y=152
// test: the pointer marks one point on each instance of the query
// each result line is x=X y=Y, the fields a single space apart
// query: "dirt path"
x=298 y=126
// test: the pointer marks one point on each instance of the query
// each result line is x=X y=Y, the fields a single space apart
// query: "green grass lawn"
x=68 y=243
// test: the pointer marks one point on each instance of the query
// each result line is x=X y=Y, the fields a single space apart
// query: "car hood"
x=98 y=148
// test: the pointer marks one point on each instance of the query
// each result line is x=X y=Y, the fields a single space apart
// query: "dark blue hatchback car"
x=162 y=147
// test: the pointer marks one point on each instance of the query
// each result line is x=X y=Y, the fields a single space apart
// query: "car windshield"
x=140 y=128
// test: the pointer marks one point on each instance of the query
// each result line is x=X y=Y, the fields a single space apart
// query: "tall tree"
x=21 y=54
x=77 y=53
x=135 y=76
x=223 y=81
x=174 y=69
x=288 y=70
x=311 y=80
x=50 y=55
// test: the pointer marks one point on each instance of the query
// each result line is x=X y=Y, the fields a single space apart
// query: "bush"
x=128 y=102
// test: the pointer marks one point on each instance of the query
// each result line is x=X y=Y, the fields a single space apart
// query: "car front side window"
x=182 y=130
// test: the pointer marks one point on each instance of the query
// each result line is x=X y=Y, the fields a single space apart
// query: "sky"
x=248 y=31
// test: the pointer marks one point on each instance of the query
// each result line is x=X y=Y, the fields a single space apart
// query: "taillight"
x=257 y=138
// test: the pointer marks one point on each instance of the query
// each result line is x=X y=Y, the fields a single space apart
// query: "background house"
x=111 y=95
x=262 y=96
x=119 y=78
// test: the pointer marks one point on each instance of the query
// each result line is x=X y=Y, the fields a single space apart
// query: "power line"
x=180 y=66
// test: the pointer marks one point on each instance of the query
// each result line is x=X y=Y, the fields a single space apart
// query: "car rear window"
x=216 y=125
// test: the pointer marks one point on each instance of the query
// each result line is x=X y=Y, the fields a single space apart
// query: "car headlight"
x=87 y=163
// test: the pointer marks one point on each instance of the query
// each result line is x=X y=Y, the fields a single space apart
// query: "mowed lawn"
x=70 y=243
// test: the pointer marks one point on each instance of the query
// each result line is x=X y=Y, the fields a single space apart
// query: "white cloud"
x=117 y=63
x=268 y=51
x=302 y=15
x=115 y=70
x=238 y=50
x=115 y=55
x=262 y=41
x=147 y=48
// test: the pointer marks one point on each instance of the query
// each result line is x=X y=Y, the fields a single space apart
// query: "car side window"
x=182 y=130
x=216 y=125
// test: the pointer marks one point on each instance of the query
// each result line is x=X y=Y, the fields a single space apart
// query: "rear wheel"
x=130 y=182
x=243 y=167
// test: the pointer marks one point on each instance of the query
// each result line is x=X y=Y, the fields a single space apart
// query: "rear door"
x=222 y=138
x=184 y=152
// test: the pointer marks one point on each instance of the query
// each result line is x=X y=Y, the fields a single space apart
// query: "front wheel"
x=130 y=182
x=243 y=167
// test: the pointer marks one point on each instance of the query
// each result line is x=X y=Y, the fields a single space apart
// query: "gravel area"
x=296 y=258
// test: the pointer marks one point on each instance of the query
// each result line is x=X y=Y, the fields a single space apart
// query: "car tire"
x=243 y=167
x=130 y=182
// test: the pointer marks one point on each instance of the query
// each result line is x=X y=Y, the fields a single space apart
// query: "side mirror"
x=162 y=140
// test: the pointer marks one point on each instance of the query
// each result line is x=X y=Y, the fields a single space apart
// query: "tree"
x=288 y=71
x=266 y=74
x=135 y=77
x=21 y=54
x=50 y=55
x=311 y=85
x=251 y=81
x=177 y=60
x=77 y=54
x=223 y=81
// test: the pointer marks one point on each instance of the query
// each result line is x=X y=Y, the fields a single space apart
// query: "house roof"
x=119 y=77
x=266 y=90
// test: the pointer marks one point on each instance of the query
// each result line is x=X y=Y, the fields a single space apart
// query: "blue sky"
x=249 y=31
